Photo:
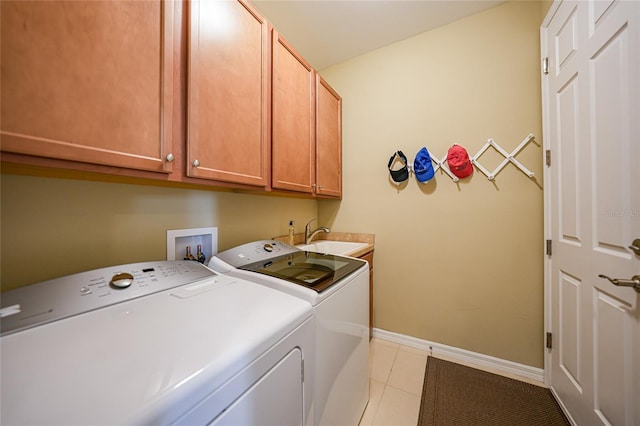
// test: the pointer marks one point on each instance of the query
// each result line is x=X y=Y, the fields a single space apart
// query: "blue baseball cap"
x=422 y=166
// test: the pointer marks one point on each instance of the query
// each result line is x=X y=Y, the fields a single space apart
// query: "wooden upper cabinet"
x=88 y=81
x=293 y=119
x=228 y=93
x=328 y=140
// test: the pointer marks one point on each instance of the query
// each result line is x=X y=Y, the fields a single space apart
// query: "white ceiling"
x=327 y=32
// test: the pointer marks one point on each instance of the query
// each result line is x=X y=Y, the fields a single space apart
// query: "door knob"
x=635 y=246
x=633 y=282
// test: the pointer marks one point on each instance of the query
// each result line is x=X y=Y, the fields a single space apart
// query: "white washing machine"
x=338 y=289
x=167 y=342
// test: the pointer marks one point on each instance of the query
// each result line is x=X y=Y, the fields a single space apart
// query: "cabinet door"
x=293 y=119
x=228 y=116
x=88 y=81
x=328 y=140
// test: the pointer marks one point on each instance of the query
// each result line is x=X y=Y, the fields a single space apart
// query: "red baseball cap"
x=459 y=161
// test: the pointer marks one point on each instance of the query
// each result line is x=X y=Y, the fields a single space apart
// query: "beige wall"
x=54 y=227
x=458 y=264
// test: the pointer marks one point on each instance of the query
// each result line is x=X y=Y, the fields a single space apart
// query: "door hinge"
x=549 y=340
x=547 y=157
x=549 y=250
x=545 y=65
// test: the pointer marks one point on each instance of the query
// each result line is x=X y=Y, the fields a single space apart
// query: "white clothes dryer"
x=157 y=343
x=338 y=289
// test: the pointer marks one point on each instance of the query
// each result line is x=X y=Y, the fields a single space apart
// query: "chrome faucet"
x=309 y=234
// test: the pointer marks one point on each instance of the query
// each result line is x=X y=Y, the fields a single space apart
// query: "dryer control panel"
x=63 y=297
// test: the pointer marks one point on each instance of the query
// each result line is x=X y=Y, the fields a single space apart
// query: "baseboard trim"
x=464 y=356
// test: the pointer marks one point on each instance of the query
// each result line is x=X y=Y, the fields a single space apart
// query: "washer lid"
x=316 y=271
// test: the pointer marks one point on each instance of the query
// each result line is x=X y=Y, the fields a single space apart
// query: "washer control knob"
x=122 y=280
x=268 y=248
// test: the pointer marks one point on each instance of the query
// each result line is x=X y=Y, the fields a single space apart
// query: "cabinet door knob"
x=196 y=163
x=170 y=157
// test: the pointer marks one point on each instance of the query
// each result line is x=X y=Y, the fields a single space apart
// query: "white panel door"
x=592 y=128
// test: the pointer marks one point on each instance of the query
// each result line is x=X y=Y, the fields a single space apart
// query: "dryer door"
x=272 y=397
x=274 y=400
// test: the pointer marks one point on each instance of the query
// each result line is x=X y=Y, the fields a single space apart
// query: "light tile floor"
x=396 y=375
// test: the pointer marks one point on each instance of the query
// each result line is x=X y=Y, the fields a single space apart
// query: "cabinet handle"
x=170 y=158
x=196 y=163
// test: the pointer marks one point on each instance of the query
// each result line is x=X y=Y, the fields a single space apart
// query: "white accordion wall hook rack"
x=509 y=157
